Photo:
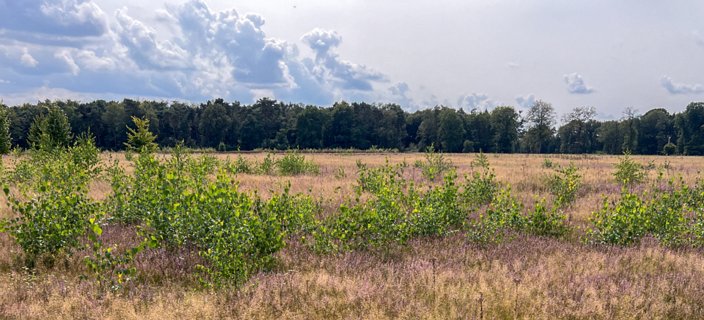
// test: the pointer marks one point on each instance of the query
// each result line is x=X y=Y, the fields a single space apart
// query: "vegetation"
x=187 y=221
x=269 y=124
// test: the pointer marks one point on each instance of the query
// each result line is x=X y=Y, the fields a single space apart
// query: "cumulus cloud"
x=400 y=94
x=680 y=88
x=526 y=101
x=27 y=60
x=476 y=101
x=69 y=45
x=329 y=67
x=57 y=18
x=143 y=47
x=576 y=85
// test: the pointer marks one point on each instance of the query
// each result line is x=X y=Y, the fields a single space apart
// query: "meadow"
x=350 y=235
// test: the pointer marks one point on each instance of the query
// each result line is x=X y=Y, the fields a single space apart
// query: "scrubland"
x=450 y=264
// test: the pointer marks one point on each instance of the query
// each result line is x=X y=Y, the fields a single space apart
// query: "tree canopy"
x=274 y=124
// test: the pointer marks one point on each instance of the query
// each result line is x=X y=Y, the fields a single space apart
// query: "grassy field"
x=429 y=278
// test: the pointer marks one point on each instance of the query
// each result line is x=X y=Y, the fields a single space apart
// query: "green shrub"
x=435 y=164
x=629 y=172
x=503 y=214
x=268 y=165
x=51 y=215
x=294 y=163
x=632 y=217
x=482 y=186
x=564 y=184
x=542 y=221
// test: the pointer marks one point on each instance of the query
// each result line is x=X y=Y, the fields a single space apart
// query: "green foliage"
x=632 y=217
x=50 y=131
x=177 y=205
x=564 y=184
x=542 y=221
x=240 y=165
x=5 y=139
x=506 y=214
x=628 y=171
x=548 y=164
x=268 y=164
x=140 y=139
x=669 y=149
x=503 y=214
x=395 y=212
x=51 y=219
x=481 y=188
x=435 y=164
x=294 y=163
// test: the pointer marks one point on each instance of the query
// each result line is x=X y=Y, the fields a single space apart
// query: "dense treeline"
x=275 y=125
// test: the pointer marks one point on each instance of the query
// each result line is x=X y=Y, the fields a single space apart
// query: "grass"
x=446 y=278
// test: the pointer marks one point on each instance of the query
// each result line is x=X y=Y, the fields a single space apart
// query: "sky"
x=478 y=54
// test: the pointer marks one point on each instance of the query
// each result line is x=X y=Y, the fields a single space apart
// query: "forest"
x=275 y=125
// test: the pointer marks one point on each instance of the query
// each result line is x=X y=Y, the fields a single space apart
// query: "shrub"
x=294 y=163
x=631 y=218
x=629 y=172
x=482 y=186
x=435 y=164
x=564 y=184
x=542 y=221
x=52 y=219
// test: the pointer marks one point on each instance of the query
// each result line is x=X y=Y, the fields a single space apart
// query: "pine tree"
x=5 y=139
x=50 y=131
x=140 y=139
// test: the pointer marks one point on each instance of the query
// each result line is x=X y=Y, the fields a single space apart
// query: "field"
x=436 y=276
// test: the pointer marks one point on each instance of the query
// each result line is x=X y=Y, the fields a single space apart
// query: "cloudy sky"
x=470 y=54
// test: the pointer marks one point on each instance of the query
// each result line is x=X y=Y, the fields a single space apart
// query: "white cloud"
x=680 y=88
x=513 y=65
x=329 y=67
x=57 y=18
x=66 y=57
x=476 y=101
x=400 y=94
x=143 y=47
x=526 y=101
x=27 y=59
x=576 y=85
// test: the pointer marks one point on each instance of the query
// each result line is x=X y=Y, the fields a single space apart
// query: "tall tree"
x=690 y=127
x=51 y=131
x=504 y=124
x=629 y=129
x=451 y=131
x=541 y=120
x=309 y=128
x=578 y=134
x=656 y=129
x=5 y=139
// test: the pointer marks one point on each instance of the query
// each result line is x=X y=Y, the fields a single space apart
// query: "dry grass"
x=528 y=277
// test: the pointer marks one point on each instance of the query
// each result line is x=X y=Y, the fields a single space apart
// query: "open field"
x=445 y=277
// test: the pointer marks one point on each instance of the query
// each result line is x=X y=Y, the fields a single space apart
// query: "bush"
x=482 y=186
x=628 y=172
x=435 y=164
x=294 y=163
x=542 y=221
x=52 y=218
x=564 y=185
x=395 y=212
x=630 y=218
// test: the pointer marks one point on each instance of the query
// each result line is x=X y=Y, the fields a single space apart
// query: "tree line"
x=272 y=124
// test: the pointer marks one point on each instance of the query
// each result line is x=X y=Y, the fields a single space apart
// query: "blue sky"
x=471 y=54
